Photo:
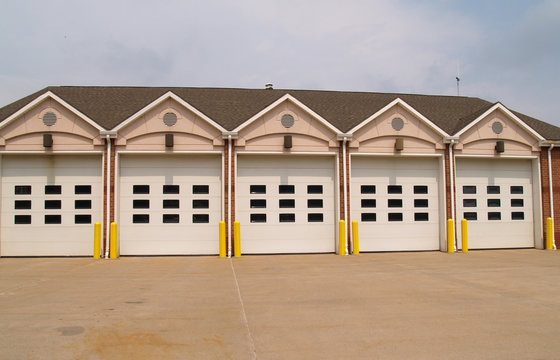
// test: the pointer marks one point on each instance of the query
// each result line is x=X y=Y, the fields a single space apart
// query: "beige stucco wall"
x=378 y=136
x=191 y=132
x=70 y=132
x=267 y=132
x=481 y=139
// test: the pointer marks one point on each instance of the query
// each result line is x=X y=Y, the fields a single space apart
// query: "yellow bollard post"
x=113 y=241
x=549 y=245
x=450 y=237
x=464 y=236
x=341 y=238
x=222 y=239
x=355 y=239
x=236 y=239
x=97 y=240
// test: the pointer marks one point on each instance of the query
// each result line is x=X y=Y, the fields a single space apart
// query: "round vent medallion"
x=397 y=123
x=170 y=119
x=497 y=127
x=287 y=121
x=49 y=119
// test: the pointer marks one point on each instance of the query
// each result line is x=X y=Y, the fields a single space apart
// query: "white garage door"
x=396 y=203
x=49 y=204
x=286 y=204
x=169 y=205
x=496 y=197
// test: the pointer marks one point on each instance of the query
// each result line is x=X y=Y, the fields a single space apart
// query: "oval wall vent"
x=49 y=118
x=170 y=119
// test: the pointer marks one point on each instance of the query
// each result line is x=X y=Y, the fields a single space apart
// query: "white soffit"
x=399 y=101
x=161 y=99
x=296 y=102
x=43 y=97
x=509 y=114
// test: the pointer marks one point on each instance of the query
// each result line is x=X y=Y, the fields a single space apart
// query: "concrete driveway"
x=430 y=305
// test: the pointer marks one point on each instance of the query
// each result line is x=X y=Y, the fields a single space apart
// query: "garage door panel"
x=396 y=202
x=286 y=204
x=170 y=205
x=496 y=197
x=49 y=204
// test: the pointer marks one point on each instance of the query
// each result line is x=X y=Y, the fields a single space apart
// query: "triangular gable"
x=42 y=98
x=409 y=108
x=512 y=116
x=160 y=100
x=297 y=103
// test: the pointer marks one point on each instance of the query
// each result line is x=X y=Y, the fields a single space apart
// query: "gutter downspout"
x=230 y=222
x=108 y=225
x=452 y=186
x=551 y=193
x=345 y=190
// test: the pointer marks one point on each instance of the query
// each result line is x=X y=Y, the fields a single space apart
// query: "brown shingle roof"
x=109 y=106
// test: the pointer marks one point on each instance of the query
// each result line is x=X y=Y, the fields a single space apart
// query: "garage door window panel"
x=257 y=189
x=516 y=190
x=141 y=189
x=53 y=189
x=368 y=203
x=315 y=217
x=171 y=203
x=315 y=203
x=53 y=204
x=367 y=189
x=22 y=190
x=517 y=203
x=369 y=217
x=258 y=218
x=394 y=189
x=53 y=219
x=421 y=217
x=493 y=202
x=469 y=189
x=82 y=219
x=82 y=204
x=492 y=189
x=140 y=218
x=170 y=218
x=82 y=189
x=395 y=217
x=314 y=189
x=22 y=204
x=286 y=189
x=494 y=216
x=141 y=204
x=171 y=189
x=287 y=218
x=201 y=189
x=395 y=203
x=258 y=203
x=471 y=216
x=421 y=203
x=469 y=202
x=22 y=219
x=201 y=218
x=517 y=215
x=420 y=189
x=287 y=203
x=200 y=204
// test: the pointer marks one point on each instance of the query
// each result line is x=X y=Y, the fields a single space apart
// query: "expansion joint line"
x=252 y=349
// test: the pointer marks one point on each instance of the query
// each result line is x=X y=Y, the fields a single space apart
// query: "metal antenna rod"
x=458 y=79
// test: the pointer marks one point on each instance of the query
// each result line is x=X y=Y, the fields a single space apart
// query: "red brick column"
x=448 y=174
x=555 y=160
x=545 y=191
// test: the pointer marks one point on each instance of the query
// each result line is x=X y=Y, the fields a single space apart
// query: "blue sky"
x=506 y=51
